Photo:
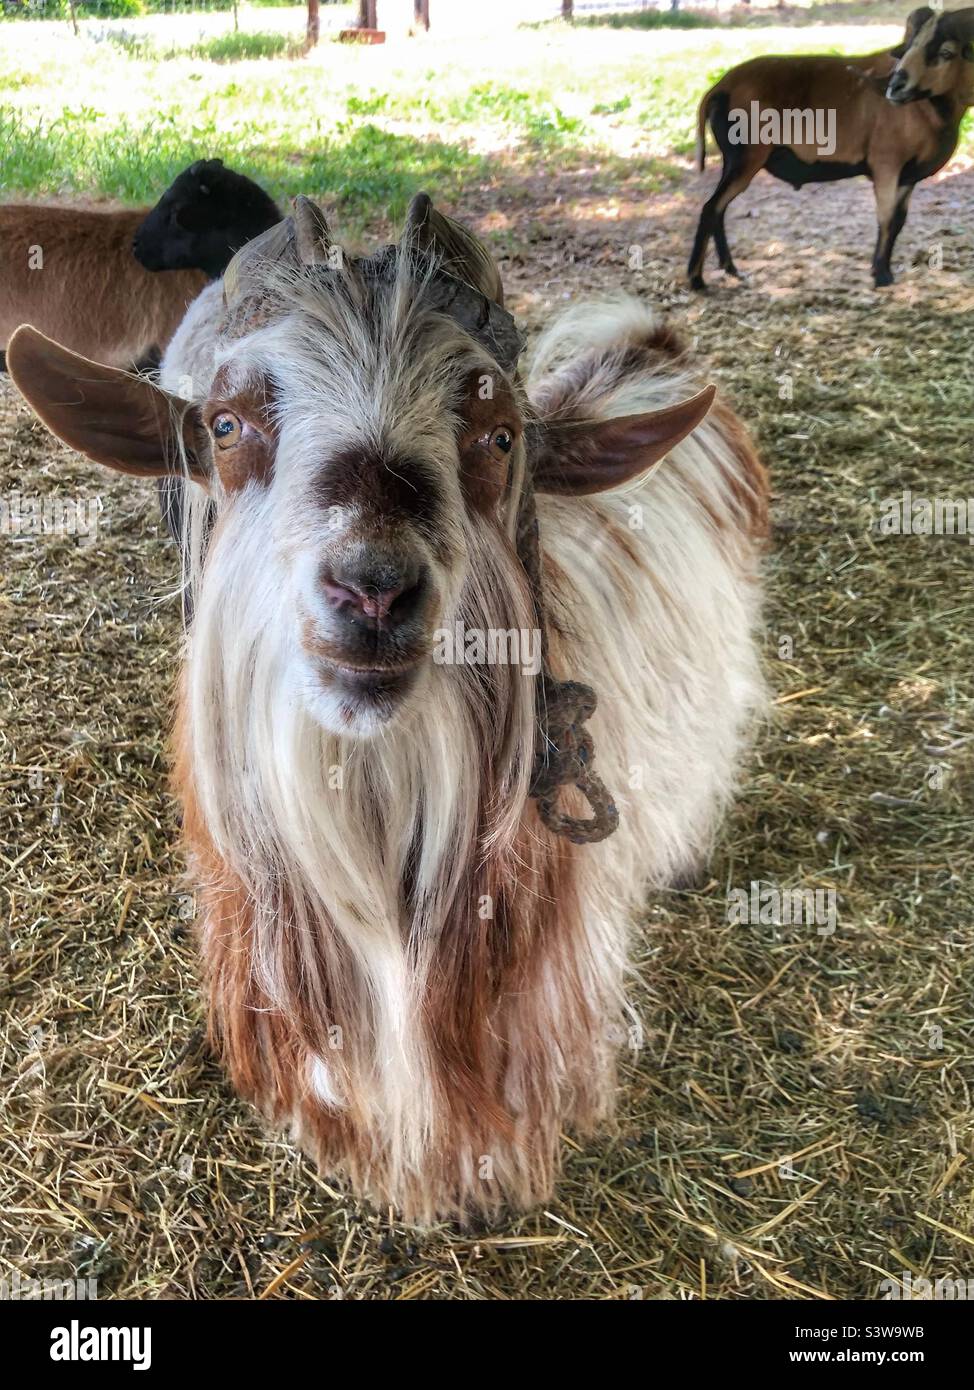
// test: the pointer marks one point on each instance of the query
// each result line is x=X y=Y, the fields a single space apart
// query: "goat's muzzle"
x=371 y=628
x=897 y=89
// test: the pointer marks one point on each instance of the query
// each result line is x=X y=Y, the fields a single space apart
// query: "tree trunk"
x=366 y=15
x=314 y=23
x=421 y=13
x=568 y=9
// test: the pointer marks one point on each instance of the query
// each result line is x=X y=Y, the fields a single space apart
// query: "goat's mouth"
x=357 y=698
x=902 y=96
x=368 y=682
x=357 y=679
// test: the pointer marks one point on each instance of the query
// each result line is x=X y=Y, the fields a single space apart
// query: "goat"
x=71 y=273
x=203 y=219
x=938 y=63
x=896 y=149
x=415 y=948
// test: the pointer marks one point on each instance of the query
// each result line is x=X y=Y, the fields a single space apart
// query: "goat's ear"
x=117 y=418
x=915 y=21
x=579 y=457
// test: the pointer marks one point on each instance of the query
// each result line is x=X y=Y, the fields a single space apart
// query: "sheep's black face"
x=207 y=214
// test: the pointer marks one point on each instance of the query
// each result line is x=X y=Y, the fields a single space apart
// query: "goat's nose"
x=896 y=83
x=377 y=594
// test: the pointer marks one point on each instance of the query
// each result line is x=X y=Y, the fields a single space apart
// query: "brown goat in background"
x=894 y=147
x=71 y=273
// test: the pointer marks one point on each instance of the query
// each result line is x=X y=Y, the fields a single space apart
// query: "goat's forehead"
x=930 y=35
x=389 y=365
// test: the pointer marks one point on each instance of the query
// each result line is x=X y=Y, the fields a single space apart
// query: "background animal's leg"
x=705 y=228
x=897 y=222
x=3 y=360
x=171 y=506
x=741 y=163
x=892 y=204
x=732 y=191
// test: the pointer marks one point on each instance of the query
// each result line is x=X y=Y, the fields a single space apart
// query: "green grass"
x=365 y=126
x=361 y=169
x=650 y=19
x=232 y=48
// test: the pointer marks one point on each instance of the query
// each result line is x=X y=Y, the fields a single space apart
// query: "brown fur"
x=252 y=460
x=484 y=472
x=91 y=294
x=920 y=62
x=751 y=495
x=486 y=1005
x=893 y=146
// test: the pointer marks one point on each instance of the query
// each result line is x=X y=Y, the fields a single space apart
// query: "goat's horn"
x=959 y=25
x=463 y=255
x=240 y=275
x=312 y=238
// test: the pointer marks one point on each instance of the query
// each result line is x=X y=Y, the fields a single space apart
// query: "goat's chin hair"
x=340 y=881
x=363 y=720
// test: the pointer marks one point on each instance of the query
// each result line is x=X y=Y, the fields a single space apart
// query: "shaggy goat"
x=70 y=272
x=416 y=952
x=203 y=219
x=938 y=63
x=764 y=113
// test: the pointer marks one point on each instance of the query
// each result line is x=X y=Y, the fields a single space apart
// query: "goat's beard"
x=363 y=864
x=260 y=733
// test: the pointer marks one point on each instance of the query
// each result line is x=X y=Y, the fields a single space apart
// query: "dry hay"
x=789 y=1128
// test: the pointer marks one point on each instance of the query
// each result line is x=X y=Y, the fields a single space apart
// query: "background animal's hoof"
x=883 y=278
x=696 y=282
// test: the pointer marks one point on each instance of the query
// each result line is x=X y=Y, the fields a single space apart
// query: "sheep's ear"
x=117 y=418
x=579 y=457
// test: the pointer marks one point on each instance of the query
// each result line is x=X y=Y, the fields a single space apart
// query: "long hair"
x=404 y=964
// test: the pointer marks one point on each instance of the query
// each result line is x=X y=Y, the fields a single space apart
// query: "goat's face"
x=936 y=58
x=364 y=443
x=364 y=454
x=206 y=214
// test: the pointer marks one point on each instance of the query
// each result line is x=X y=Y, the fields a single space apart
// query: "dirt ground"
x=798 y=1122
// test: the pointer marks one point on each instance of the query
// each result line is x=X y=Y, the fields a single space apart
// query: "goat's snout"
x=896 y=87
x=375 y=593
x=370 y=632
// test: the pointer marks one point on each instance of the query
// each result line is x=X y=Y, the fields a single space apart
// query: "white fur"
x=674 y=665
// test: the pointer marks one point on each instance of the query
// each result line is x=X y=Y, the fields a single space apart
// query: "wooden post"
x=314 y=23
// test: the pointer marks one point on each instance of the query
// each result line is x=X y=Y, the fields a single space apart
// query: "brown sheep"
x=789 y=100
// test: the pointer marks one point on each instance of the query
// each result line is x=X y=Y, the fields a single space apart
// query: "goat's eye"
x=227 y=430
x=501 y=442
